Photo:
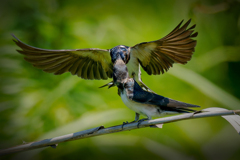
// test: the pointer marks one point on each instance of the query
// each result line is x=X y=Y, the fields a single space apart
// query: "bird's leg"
x=136 y=119
x=141 y=120
x=137 y=115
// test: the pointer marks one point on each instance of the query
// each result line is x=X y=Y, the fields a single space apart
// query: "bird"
x=140 y=101
x=155 y=57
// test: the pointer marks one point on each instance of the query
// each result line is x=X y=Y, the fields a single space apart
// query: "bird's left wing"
x=90 y=63
x=158 y=56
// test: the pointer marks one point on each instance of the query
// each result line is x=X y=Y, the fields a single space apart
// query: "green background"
x=36 y=105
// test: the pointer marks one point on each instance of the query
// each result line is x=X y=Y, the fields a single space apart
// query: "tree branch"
x=230 y=115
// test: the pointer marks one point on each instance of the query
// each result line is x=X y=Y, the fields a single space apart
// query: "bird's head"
x=120 y=51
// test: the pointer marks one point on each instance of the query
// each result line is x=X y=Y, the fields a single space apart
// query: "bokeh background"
x=36 y=105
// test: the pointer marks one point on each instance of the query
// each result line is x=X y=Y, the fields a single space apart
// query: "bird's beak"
x=110 y=86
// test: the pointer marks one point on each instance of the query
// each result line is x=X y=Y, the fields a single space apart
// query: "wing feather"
x=155 y=67
x=73 y=69
x=101 y=71
x=179 y=31
x=65 y=67
x=158 y=56
x=181 y=36
x=80 y=68
x=174 y=30
x=96 y=71
x=83 y=62
x=159 y=67
x=88 y=71
x=84 y=69
x=55 y=69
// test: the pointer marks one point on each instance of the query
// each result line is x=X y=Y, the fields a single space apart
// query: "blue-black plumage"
x=141 y=101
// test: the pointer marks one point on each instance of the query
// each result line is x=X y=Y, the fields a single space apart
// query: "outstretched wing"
x=158 y=56
x=90 y=63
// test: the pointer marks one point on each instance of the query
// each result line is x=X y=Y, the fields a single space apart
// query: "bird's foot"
x=140 y=121
x=133 y=121
x=124 y=124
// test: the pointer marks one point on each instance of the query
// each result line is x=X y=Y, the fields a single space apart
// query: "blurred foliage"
x=35 y=105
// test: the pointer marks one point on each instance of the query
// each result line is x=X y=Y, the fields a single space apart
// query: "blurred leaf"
x=206 y=87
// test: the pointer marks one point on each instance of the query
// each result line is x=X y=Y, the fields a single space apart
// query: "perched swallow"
x=143 y=102
x=155 y=57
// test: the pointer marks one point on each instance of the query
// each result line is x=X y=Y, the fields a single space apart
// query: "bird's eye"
x=124 y=50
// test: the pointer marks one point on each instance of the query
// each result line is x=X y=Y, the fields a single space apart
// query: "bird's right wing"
x=90 y=63
x=158 y=56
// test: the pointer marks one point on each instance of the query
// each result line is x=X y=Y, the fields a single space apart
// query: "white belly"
x=145 y=109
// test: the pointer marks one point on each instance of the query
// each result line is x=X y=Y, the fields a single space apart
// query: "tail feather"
x=180 y=107
x=177 y=110
x=185 y=110
x=179 y=104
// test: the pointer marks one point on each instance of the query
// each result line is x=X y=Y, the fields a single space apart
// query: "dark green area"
x=36 y=105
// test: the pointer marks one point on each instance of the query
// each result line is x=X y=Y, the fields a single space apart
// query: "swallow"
x=140 y=101
x=155 y=57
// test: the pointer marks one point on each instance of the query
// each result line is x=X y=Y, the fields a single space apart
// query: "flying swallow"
x=141 y=101
x=155 y=57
